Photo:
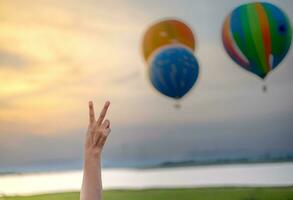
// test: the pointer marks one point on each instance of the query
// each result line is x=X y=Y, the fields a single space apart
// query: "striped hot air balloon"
x=257 y=36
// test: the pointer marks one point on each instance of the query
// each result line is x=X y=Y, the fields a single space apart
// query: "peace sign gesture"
x=98 y=131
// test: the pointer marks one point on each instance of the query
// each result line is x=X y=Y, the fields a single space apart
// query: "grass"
x=276 y=193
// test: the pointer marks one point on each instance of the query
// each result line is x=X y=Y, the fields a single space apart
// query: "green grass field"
x=284 y=193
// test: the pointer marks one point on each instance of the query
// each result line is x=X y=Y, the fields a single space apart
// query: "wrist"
x=92 y=158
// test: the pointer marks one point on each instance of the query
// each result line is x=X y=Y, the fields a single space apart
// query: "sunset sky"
x=56 y=55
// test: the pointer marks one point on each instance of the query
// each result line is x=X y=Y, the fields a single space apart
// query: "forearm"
x=91 y=185
x=97 y=133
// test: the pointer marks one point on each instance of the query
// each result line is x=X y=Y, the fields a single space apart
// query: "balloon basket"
x=177 y=106
x=264 y=88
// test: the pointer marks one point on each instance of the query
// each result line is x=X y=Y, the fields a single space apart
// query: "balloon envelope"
x=167 y=32
x=257 y=36
x=173 y=71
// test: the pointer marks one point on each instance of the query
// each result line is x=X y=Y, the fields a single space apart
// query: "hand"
x=97 y=133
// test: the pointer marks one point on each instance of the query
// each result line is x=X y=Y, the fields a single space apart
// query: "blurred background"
x=55 y=56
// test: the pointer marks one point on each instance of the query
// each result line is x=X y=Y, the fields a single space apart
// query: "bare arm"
x=98 y=131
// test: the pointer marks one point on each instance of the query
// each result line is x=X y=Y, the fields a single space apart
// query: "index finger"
x=103 y=113
x=91 y=112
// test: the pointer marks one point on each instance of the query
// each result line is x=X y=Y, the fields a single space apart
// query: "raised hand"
x=98 y=131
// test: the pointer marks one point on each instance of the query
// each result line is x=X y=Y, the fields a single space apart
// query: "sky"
x=55 y=56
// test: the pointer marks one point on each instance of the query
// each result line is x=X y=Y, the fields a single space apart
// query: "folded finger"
x=104 y=137
x=105 y=124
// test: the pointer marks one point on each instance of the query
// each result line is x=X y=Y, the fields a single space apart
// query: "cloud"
x=8 y=59
x=63 y=53
x=156 y=141
x=126 y=78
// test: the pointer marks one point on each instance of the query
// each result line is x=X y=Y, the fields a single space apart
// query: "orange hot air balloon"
x=167 y=32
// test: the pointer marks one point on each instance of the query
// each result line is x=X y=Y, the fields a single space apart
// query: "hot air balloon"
x=164 y=33
x=257 y=36
x=173 y=70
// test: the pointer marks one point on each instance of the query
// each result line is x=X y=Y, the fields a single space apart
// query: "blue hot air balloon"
x=173 y=70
